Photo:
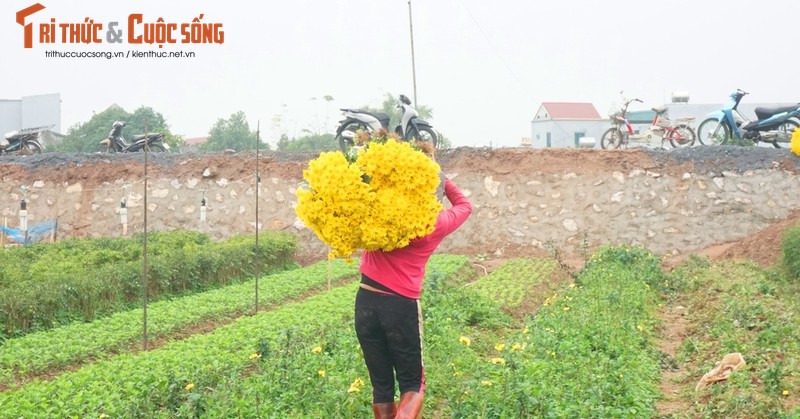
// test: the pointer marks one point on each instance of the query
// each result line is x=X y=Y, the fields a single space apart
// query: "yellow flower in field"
x=565 y=309
x=516 y=347
x=498 y=361
x=572 y=285
x=486 y=383
x=103 y=416
x=525 y=330
x=499 y=347
x=254 y=356
x=640 y=327
x=321 y=373
x=785 y=392
x=465 y=340
x=795 y=143
x=355 y=386
x=189 y=386
x=552 y=354
x=457 y=374
x=317 y=349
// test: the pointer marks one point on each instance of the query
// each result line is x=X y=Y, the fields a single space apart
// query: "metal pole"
x=413 y=64
x=144 y=253
x=258 y=185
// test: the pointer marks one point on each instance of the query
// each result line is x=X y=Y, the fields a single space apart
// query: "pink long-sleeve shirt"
x=401 y=270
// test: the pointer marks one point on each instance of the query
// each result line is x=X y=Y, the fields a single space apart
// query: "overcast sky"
x=484 y=67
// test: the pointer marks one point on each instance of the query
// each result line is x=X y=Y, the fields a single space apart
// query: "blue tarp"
x=35 y=233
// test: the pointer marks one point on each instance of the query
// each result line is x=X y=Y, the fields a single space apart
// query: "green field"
x=524 y=340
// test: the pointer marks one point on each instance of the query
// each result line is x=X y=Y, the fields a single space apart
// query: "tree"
x=443 y=142
x=86 y=136
x=309 y=142
x=233 y=133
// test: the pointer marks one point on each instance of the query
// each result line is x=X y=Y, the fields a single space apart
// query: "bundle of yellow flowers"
x=382 y=200
x=796 y=141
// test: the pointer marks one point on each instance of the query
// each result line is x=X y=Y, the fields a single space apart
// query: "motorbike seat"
x=151 y=136
x=380 y=116
x=137 y=137
x=764 y=112
x=659 y=110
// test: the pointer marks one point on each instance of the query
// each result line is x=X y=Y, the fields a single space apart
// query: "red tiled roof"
x=566 y=110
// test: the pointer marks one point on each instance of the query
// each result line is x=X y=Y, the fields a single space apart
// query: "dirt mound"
x=763 y=247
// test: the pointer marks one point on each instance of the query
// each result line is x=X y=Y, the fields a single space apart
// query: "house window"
x=578 y=136
x=549 y=140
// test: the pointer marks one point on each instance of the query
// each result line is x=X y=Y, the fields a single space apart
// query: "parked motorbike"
x=21 y=142
x=115 y=143
x=774 y=125
x=411 y=126
x=679 y=132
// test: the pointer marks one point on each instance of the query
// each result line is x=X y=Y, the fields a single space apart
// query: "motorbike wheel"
x=682 y=136
x=102 y=148
x=612 y=138
x=156 y=148
x=787 y=128
x=346 y=144
x=31 y=148
x=425 y=134
x=713 y=132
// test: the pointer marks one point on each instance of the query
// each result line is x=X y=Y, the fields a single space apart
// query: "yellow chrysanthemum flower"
x=499 y=347
x=355 y=386
x=465 y=340
x=486 y=383
x=317 y=349
x=499 y=361
x=382 y=201
x=795 y=144
x=254 y=356
x=321 y=373
x=189 y=386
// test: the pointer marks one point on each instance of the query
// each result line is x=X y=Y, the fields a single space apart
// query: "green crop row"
x=516 y=281
x=83 y=279
x=790 y=244
x=588 y=352
x=52 y=349
x=738 y=307
x=153 y=383
x=324 y=376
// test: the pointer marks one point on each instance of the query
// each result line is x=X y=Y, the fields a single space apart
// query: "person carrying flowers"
x=388 y=319
x=384 y=198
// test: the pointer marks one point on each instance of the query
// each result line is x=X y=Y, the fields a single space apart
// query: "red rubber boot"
x=410 y=405
x=384 y=410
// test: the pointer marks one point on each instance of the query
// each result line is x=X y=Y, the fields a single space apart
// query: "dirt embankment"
x=703 y=199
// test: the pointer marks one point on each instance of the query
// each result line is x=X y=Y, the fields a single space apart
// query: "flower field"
x=52 y=349
x=525 y=340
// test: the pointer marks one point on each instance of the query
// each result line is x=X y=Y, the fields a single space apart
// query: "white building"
x=30 y=112
x=563 y=124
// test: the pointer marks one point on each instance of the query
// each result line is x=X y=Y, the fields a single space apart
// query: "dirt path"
x=674 y=317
